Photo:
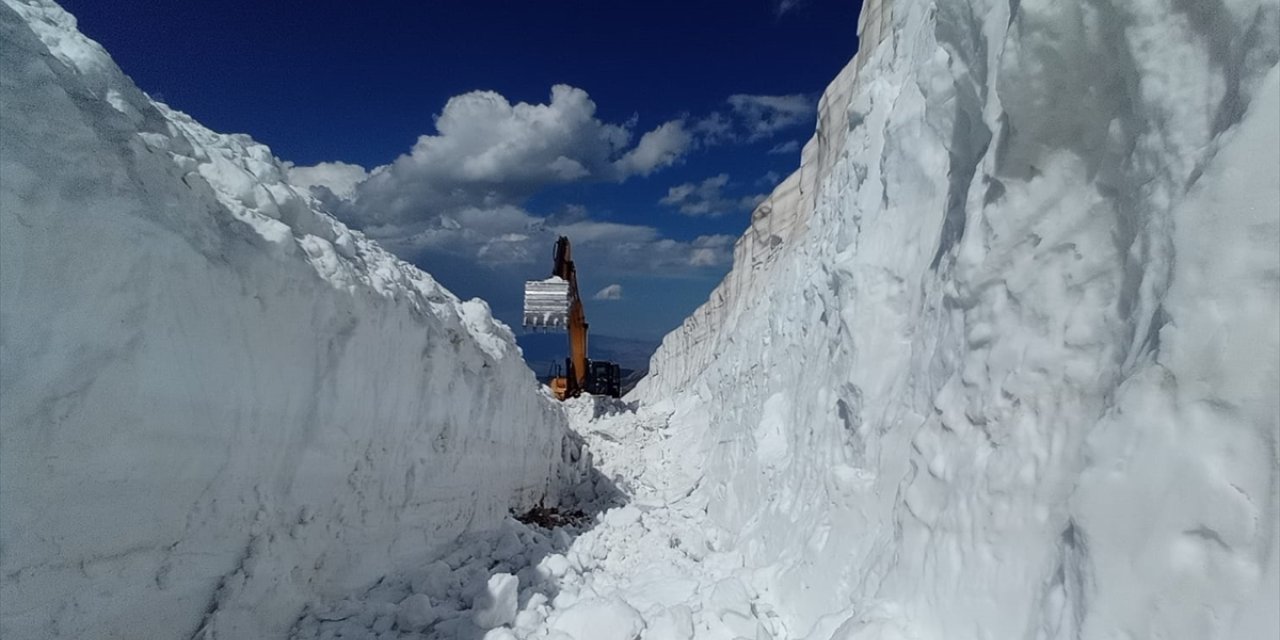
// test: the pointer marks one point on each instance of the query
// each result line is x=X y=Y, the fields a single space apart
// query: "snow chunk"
x=496 y=605
x=622 y=517
x=415 y=613
x=771 y=434
x=554 y=566
x=598 y=619
x=675 y=623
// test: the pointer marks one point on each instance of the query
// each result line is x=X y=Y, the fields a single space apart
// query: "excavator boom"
x=577 y=325
x=554 y=303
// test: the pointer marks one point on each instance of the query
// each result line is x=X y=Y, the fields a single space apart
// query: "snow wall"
x=218 y=402
x=1001 y=359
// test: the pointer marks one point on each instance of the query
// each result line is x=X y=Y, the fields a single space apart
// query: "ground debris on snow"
x=552 y=517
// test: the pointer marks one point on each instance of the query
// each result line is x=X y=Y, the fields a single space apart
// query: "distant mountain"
x=630 y=380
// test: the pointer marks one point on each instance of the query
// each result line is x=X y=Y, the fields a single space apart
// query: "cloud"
x=340 y=178
x=752 y=118
x=752 y=201
x=783 y=7
x=455 y=203
x=714 y=129
x=763 y=116
x=476 y=241
x=488 y=153
x=658 y=148
x=790 y=146
x=707 y=198
x=769 y=179
x=699 y=199
x=627 y=249
x=490 y=252
x=611 y=292
x=712 y=250
x=607 y=233
x=488 y=236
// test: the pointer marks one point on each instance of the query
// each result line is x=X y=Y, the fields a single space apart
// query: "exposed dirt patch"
x=551 y=517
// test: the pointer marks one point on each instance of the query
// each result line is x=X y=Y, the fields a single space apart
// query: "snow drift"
x=1000 y=360
x=218 y=402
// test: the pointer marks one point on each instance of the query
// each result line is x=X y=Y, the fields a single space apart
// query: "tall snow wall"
x=1001 y=359
x=218 y=403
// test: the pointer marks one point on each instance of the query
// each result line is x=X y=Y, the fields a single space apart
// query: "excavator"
x=554 y=304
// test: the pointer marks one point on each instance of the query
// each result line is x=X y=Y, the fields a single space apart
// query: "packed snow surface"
x=219 y=403
x=643 y=562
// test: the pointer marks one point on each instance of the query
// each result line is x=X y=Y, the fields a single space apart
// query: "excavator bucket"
x=546 y=303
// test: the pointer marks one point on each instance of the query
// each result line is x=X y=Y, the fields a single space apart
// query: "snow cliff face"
x=1000 y=360
x=218 y=402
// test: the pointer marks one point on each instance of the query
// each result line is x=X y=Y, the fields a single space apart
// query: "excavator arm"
x=555 y=303
x=576 y=376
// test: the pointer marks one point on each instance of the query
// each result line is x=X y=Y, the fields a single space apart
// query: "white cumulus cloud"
x=707 y=198
x=481 y=244
x=790 y=146
x=340 y=178
x=715 y=128
x=487 y=152
x=711 y=250
x=658 y=148
x=754 y=117
x=763 y=116
x=611 y=292
x=782 y=7
x=455 y=202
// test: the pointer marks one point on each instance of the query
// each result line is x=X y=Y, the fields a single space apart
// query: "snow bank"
x=218 y=402
x=1000 y=360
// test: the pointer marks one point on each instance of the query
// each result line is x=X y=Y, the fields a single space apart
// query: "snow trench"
x=219 y=403
x=998 y=361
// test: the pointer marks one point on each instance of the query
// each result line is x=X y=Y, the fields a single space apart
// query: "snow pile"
x=219 y=403
x=1001 y=359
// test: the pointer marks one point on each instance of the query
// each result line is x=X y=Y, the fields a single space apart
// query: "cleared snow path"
x=646 y=564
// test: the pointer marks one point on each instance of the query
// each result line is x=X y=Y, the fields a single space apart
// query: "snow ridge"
x=237 y=404
x=1000 y=359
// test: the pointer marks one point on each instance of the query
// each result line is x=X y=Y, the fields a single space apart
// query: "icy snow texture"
x=1000 y=360
x=218 y=402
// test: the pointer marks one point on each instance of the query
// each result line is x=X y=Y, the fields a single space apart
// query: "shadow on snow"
x=531 y=545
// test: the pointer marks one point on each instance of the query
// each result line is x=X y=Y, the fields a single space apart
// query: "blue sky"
x=657 y=139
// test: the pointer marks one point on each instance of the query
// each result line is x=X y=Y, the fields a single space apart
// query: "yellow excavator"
x=554 y=304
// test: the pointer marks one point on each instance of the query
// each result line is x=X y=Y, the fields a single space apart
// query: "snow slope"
x=1001 y=359
x=219 y=403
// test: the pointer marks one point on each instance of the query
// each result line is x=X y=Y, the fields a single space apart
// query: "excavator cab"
x=604 y=378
